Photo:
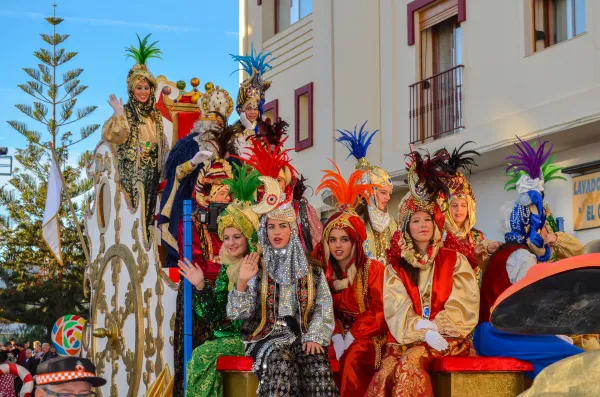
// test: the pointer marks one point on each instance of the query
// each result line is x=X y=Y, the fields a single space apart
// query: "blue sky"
x=196 y=38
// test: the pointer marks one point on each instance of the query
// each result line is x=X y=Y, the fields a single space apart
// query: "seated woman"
x=459 y=228
x=237 y=227
x=531 y=238
x=356 y=283
x=430 y=293
x=284 y=301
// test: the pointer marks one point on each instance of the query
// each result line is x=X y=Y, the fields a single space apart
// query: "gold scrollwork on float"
x=172 y=328
x=160 y=317
x=115 y=315
x=143 y=260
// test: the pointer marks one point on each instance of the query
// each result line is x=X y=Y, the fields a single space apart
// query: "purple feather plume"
x=527 y=159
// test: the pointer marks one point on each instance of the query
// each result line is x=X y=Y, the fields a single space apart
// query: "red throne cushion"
x=479 y=364
x=234 y=363
x=243 y=363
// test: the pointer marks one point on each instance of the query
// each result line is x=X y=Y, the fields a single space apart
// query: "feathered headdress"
x=252 y=90
x=357 y=142
x=268 y=161
x=273 y=132
x=529 y=168
x=527 y=159
x=426 y=174
x=346 y=193
x=300 y=187
x=141 y=54
x=239 y=214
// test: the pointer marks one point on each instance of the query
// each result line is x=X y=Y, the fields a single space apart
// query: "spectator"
x=37 y=350
x=53 y=353
x=30 y=363
x=45 y=356
x=49 y=382
x=7 y=382
x=23 y=351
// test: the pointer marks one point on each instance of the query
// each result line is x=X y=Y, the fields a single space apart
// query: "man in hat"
x=67 y=375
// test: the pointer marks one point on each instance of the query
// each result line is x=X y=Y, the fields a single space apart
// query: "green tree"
x=37 y=289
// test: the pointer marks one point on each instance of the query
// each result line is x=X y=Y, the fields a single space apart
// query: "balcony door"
x=441 y=79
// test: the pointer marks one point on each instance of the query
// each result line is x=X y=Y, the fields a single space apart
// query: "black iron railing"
x=436 y=107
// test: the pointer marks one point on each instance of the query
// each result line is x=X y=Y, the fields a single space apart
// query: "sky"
x=196 y=38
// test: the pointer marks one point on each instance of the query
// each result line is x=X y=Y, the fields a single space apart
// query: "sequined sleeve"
x=115 y=129
x=242 y=305
x=210 y=304
x=461 y=310
x=184 y=169
x=320 y=328
x=398 y=309
x=566 y=246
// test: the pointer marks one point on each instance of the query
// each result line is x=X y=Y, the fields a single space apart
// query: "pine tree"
x=37 y=289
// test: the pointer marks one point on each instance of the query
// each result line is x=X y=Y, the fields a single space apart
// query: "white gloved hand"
x=426 y=324
x=565 y=338
x=201 y=157
x=435 y=340
x=348 y=339
x=245 y=122
x=338 y=345
x=116 y=104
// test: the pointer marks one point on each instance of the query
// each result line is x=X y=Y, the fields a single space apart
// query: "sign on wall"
x=586 y=201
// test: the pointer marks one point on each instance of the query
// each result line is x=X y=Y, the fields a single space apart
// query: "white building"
x=435 y=73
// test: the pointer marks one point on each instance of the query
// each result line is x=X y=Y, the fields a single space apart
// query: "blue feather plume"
x=259 y=61
x=357 y=142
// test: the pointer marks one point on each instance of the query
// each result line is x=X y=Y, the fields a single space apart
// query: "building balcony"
x=436 y=106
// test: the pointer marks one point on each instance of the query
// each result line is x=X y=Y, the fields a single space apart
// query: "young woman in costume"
x=238 y=226
x=137 y=131
x=284 y=301
x=310 y=229
x=356 y=283
x=459 y=227
x=379 y=223
x=430 y=293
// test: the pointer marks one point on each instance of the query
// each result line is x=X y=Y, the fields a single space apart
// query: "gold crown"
x=215 y=99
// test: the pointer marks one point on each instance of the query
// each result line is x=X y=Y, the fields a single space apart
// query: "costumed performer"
x=206 y=245
x=284 y=301
x=251 y=95
x=380 y=224
x=185 y=161
x=523 y=224
x=430 y=293
x=460 y=212
x=294 y=186
x=356 y=283
x=137 y=131
x=238 y=226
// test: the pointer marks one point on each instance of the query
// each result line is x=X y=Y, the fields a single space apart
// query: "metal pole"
x=187 y=290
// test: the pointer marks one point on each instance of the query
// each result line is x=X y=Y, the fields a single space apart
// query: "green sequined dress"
x=210 y=305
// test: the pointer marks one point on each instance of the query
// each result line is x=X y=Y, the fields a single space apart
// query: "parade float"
x=129 y=334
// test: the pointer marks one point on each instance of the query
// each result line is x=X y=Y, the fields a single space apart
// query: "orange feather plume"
x=267 y=160
x=347 y=193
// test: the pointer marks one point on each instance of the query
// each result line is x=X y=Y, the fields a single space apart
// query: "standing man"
x=67 y=375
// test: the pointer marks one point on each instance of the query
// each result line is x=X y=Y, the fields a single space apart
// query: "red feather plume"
x=266 y=160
